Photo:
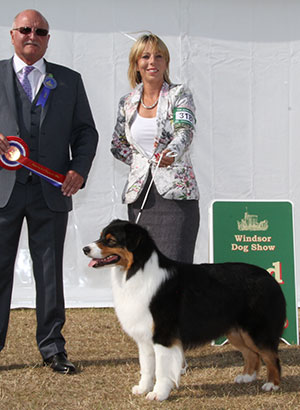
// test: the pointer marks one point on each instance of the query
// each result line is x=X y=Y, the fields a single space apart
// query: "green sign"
x=260 y=233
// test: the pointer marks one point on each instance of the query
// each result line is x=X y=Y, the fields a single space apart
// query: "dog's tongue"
x=92 y=263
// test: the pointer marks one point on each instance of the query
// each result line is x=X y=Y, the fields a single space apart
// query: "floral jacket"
x=175 y=126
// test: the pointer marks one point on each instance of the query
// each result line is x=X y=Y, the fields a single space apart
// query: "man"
x=58 y=127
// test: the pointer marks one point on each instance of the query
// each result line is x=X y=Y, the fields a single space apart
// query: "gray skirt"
x=173 y=224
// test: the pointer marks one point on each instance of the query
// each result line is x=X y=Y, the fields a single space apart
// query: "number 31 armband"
x=183 y=116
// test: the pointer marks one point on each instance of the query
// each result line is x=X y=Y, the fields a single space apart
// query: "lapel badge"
x=50 y=82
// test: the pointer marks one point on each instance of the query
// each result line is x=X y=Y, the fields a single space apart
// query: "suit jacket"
x=67 y=137
x=175 y=126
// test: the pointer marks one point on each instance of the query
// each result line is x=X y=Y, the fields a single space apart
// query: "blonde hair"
x=136 y=51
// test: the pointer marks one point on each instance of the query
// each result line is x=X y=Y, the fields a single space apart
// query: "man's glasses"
x=27 y=30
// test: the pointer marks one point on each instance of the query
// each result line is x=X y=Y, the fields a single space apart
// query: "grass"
x=108 y=367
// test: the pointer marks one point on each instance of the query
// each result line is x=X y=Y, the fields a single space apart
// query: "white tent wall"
x=241 y=58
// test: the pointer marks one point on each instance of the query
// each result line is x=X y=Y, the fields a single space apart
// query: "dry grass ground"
x=108 y=367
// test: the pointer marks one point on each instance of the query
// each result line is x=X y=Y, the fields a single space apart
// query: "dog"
x=167 y=306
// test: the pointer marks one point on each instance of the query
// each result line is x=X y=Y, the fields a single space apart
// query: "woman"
x=154 y=130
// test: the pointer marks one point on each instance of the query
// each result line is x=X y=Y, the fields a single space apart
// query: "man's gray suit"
x=64 y=138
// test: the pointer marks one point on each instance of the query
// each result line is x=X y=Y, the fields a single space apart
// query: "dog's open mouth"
x=96 y=263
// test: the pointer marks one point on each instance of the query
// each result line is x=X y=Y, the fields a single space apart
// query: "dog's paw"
x=156 y=396
x=245 y=378
x=140 y=389
x=269 y=387
x=161 y=391
x=144 y=386
x=137 y=390
x=184 y=368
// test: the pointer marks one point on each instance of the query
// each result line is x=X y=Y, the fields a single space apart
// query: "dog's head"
x=121 y=243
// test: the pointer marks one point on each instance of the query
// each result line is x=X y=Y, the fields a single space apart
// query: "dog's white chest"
x=132 y=298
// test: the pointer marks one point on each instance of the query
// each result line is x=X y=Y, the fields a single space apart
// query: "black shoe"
x=59 y=363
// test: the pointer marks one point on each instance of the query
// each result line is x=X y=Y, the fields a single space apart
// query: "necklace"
x=148 y=107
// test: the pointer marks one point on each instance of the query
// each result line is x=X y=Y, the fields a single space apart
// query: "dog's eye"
x=110 y=242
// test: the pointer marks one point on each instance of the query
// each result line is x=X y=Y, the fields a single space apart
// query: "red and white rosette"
x=17 y=157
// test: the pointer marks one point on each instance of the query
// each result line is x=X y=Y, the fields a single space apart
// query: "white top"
x=144 y=131
x=36 y=77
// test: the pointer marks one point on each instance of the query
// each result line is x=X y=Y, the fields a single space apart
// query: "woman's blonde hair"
x=136 y=51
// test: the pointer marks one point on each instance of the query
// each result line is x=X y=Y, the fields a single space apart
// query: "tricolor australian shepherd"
x=166 y=306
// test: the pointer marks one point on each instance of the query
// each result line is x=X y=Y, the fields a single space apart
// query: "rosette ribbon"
x=17 y=157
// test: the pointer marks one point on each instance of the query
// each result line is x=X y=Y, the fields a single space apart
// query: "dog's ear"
x=134 y=235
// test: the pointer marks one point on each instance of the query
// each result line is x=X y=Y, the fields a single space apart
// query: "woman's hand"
x=167 y=158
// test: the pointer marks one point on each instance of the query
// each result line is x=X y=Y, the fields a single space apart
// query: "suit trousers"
x=46 y=235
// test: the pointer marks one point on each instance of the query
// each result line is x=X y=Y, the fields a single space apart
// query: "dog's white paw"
x=137 y=390
x=184 y=368
x=269 y=387
x=141 y=389
x=157 y=396
x=245 y=378
x=145 y=385
x=161 y=391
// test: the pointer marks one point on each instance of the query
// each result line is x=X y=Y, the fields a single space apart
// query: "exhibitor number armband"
x=183 y=116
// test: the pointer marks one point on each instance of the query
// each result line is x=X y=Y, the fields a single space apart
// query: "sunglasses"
x=27 y=30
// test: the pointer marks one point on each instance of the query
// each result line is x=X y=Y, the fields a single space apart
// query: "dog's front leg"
x=147 y=365
x=168 y=362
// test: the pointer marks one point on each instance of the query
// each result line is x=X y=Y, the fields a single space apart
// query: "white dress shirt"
x=36 y=77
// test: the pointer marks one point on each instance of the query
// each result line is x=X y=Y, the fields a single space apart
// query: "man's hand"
x=4 y=144
x=72 y=183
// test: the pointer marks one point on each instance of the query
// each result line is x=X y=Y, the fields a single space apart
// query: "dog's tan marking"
x=250 y=354
x=126 y=260
x=109 y=238
x=271 y=359
x=176 y=342
x=253 y=355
